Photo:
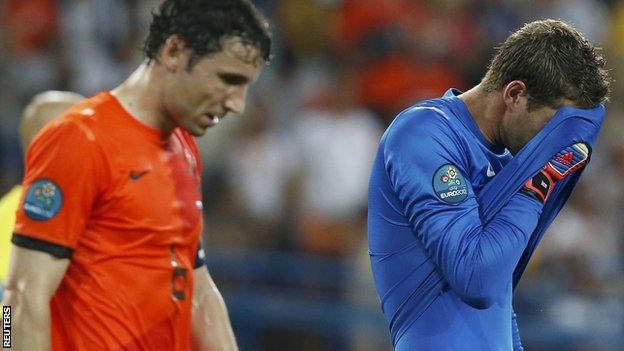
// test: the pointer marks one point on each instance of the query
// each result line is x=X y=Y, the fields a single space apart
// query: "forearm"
x=30 y=321
x=488 y=262
x=33 y=279
x=477 y=260
x=212 y=329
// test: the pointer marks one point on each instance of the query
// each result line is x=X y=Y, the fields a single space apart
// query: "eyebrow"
x=233 y=78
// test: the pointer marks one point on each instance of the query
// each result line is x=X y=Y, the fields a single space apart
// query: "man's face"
x=520 y=127
x=196 y=98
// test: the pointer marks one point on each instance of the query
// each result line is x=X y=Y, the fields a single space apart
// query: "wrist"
x=539 y=186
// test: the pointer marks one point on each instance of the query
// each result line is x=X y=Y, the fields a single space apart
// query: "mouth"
x=208 y=121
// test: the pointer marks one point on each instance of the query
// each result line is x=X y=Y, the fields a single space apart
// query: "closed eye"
x=233 y=79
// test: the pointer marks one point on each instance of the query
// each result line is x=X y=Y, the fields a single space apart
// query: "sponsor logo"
x=565 y=159
x=450 y=185
x=43 y=200
x=137 y=175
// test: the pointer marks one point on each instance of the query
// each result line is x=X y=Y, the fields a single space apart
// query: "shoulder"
x=82 y=120
x=422 y=139
x=420 y=128
x=426 y=116
x=69 y=129
x=75 y=133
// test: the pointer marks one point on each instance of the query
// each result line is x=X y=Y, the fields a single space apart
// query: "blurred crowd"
x=290 y=176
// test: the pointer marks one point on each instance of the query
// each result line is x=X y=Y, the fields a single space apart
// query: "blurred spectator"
x=99 y=48
x=30 y=62
x=588 y=16
x=303 y=25
x=260 y=172
x=32 y=36
x=336 y=141
x=403 y=49
x=31 y=25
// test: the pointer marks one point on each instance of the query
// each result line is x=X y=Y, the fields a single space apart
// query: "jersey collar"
x=460 y=109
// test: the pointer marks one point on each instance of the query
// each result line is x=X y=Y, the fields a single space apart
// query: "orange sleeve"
x=64 y=169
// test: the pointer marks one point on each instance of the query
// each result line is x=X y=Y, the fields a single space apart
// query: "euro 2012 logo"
x=43 y=200
x=449 y=184
x=45 y=194
x=450 y=176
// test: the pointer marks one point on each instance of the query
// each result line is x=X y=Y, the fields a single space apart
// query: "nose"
x=235 y=100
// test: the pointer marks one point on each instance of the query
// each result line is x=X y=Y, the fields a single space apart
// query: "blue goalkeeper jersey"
x=443 y=278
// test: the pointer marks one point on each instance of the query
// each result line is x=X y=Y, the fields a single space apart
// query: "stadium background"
x=285 y=185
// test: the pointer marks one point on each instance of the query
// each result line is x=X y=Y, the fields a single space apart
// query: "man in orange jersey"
x=107 y=232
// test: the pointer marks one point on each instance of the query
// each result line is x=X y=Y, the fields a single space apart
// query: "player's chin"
x=198 y=131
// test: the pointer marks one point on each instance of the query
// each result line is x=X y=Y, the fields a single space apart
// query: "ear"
x=515 y=95
x=174 y=54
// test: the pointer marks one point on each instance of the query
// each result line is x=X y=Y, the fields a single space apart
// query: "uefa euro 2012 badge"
x=450 y=185
x=43 y=200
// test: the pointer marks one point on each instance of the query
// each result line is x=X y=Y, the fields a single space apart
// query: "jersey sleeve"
x=427 y=169
x=63 y=172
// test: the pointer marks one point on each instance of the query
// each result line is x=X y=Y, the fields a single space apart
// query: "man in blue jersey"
x=444 y=274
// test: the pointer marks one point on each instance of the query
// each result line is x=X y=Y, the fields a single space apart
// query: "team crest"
x=43 y=200
x=450 y=185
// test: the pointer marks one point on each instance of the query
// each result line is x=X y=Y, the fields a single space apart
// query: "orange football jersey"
x=123 y=202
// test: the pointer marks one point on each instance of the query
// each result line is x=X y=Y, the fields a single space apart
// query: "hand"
x=564 y=163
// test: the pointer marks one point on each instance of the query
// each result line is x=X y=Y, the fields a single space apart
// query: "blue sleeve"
x=476 y=261
x=517 y=343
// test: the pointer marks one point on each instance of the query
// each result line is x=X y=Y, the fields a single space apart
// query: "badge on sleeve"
x=450 y=185
x=43 y=200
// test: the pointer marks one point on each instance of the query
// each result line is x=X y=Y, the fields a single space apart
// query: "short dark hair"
x=205 y=24
x=555 y=61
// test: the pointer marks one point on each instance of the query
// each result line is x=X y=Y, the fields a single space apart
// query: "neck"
x=140 y=96
x=487 y=110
